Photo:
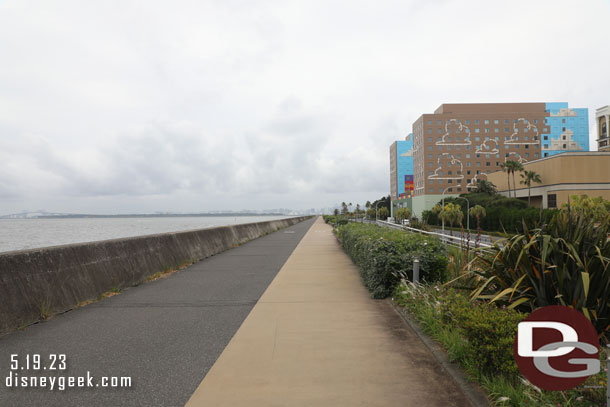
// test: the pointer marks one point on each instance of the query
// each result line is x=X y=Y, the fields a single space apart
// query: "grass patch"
x=167 y=271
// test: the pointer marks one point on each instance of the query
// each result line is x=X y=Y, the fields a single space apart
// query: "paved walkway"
x=316 y=338
x=165 y=334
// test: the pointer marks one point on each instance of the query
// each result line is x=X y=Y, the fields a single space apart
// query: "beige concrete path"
x=316 y=338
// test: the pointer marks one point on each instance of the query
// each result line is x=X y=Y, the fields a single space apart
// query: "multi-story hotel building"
x=602 y=123
x=401 y=172
x=459 y=144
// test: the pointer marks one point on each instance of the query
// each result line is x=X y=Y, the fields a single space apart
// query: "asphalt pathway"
x=165 y=334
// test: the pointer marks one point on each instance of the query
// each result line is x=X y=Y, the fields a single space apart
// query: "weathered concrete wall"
x=55 y=279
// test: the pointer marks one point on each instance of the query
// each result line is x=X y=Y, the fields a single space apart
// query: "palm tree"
x=528 y=178
x=449 y=213
x=478 y=212
x=343 y=208
x=513 y=166
x=504 y=168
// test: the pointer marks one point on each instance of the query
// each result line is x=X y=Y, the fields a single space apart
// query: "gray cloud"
x=128 y=107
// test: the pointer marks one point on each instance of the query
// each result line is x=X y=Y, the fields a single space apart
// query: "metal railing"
x=449 y=240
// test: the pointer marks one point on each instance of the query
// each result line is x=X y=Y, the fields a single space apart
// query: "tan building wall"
x=562 y=175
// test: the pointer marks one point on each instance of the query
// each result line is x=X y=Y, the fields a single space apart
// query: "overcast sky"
x=140 y=106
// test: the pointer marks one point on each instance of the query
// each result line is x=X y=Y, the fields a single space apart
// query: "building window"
x=552 y=200
x=440 y=147
x=429 y=121
x=478 y=163
x=477 y=130
x=468 y=172
x=467 y=155
x=564 y=146
x=487 y=164
x=505 y=121
x=486 y=130
x=467 y=121
x=429 y=139
x=449 y=181
x=430 y=162
x=439 y=131
x=439 y=122
x=496 y=130
x=486 y=121
x=468 y=164
x=546 y=146
x=563 y=120
x=431 y=189
x=546 y=154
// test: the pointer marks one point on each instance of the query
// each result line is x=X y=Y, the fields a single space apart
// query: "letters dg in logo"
x=556 y=348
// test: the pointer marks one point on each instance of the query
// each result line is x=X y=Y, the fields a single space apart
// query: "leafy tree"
x=527 y=178
x=449 y=214
x=336 y=212
x=486 y=187
x=370 y=213
x=343 y=208
x=383 y=213
x=478 y=212
x=367 y=205
x=595 y=208
x=402 y=214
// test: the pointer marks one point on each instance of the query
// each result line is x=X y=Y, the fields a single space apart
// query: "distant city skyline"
x=131 y=107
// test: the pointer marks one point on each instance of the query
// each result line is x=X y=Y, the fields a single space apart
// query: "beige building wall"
x=562 y=175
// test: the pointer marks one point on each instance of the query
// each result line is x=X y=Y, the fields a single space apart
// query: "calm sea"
x=18 y=234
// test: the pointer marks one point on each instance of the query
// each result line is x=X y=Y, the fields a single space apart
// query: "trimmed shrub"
x=385 y=256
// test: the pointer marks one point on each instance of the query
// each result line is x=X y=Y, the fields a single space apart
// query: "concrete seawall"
x=51 y=280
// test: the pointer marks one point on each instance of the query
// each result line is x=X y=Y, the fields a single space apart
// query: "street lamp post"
x=443 y=207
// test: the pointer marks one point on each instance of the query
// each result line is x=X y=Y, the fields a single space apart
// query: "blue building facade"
x=568 y=129
x=401 y=172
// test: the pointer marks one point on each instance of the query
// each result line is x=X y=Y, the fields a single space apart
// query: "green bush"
x=509 y=218
x=385 y=256
x=487 y=330
x=566 y=263
x=335 y=220
x=479 y=336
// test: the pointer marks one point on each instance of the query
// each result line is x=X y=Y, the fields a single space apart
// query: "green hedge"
x=500 y=218
x=335 y=220
x=385 y=256
x=479 y=336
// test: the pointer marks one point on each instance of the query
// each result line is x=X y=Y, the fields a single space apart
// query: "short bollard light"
x=416 y=271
